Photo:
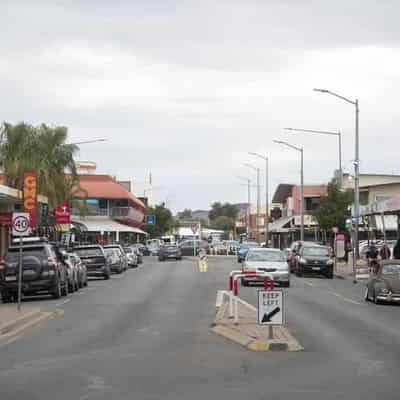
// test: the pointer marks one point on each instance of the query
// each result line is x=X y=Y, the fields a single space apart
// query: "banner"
x=30 y=196
x=62 y=214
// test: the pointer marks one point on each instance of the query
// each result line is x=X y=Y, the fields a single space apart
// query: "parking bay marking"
x=61 y=303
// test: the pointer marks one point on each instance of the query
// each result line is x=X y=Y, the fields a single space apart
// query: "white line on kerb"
x=63 y=302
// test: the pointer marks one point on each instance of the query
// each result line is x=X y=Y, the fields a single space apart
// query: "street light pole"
x=266 y=221
x=356 y=165
x=87 y=142
x=248 y=205
x=258 y=199
x=300 y=150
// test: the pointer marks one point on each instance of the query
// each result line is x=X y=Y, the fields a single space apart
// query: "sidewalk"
x=14 y=323
x=345 y=270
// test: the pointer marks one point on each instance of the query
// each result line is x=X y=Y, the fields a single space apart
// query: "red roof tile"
x=104 y=186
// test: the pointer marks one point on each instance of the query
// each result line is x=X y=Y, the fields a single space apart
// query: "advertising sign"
x=30 y=196
x=62 y=214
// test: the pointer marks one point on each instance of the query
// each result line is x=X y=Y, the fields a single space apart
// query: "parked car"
x=121 y=252
x=219 y=248
x=232 y=245
x=314 y=259
x=115 y=259
x=169 y=251
x=138 y=249
x=95 y=260
x=42 y=271
x=153 y=248
x=72 y=271
x=268 y=260
x=82 y=271
x=244 y=248
x=384 y=283
x=132 y=257
x=143 y=249
x=187 y=247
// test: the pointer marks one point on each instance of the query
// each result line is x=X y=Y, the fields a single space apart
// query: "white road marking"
x=63 y=302
x=308 y=283
x=345 y=298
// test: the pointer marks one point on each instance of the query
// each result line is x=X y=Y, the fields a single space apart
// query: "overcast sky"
x=184 y=89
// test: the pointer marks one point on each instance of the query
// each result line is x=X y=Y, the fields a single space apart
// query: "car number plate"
x=11 y=278
x=316 y=268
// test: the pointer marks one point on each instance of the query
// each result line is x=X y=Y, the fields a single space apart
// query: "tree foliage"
x=222 y=210
x=165 y=221
x=334 y=209
x=223 y=223
x=185 y=214
x=43 y=150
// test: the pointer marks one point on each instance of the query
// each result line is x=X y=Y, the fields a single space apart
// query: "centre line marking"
x=345 y=298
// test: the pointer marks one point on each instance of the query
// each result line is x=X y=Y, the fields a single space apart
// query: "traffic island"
x=14 y=323
x=248 y=333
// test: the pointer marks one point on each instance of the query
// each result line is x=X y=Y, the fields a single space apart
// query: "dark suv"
x=42 y=271
x=314 y=259
x=93 y=256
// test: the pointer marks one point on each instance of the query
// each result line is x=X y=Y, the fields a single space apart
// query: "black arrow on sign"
x=267 y=317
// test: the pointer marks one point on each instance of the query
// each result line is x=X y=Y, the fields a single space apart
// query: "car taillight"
x=51 y=262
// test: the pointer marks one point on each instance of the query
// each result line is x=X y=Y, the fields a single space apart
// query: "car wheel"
x=6 y=297
x=286 y=284
x=329 y=275
x=65 y=289
x=106 y=277
x=366 y=294
x=56 y=290
x=245 y=282
x=71 y=287
x=376 y=300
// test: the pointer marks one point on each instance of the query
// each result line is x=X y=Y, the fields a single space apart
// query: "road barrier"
x=234 y=288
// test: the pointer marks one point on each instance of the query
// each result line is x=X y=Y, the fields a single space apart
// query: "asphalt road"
x=146 y=336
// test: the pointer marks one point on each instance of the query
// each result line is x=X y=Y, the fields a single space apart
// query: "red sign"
x=6 y=219
x=30 y=196
x=62 y=214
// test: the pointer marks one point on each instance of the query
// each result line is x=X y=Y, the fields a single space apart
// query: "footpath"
x=14 y=323
x=345 y=270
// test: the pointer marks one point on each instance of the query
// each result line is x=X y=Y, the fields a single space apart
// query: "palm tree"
x=41 y=149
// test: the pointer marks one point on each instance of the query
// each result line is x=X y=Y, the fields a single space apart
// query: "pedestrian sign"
x=21 y=224
x=150 y=219
x=270 y=307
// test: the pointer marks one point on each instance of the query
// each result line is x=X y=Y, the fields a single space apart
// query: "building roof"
x=105 y=187
x=282 y=192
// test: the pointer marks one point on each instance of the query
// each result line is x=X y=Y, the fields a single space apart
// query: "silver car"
x=268 y=260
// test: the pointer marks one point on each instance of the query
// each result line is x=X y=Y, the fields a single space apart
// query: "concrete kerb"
x=248 y=333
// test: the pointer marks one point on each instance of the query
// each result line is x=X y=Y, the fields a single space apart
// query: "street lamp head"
x=321 y=90
x=278 y=142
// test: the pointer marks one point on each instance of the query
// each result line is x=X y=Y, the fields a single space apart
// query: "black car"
x=94 y=258
x=188 y=247
x=314 y=259
x=42 y=271
x=169 y=251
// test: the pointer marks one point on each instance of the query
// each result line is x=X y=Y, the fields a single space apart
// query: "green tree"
x=185 y=214
x=334 y=208
x=226 y=210
x=41 y=149
x=165 y=221
x=223 y=223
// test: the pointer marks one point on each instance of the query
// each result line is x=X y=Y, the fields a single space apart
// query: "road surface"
x=145 y=335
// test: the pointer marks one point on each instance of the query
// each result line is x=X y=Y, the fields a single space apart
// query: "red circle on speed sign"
x=21 y=224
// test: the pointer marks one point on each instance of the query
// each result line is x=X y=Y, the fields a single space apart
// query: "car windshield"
x=273 y=256
x=391 y=269
x=249 y=245
x=316 y=251
x=128 y=250
x=89 y=252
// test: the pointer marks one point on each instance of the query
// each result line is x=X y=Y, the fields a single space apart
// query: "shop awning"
x=105 y=224
x=279 y=224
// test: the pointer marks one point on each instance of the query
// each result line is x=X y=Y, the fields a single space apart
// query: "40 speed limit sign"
x=20 y=224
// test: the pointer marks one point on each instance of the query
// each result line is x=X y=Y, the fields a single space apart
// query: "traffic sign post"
x=270 y=309
x=20 y=227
